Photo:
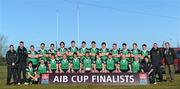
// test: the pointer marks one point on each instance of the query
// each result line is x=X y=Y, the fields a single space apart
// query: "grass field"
x=163 y=85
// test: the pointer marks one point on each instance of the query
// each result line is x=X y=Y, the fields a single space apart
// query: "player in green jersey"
x=135 y=52
x=104 y=53
x=87 y=63
x=135 y=65
x=71 y=50
x=110 y=64
x=33 y=57
x=75 y=65
x=144 y=51
x=42 y=67
x=98 y=64
x=52 y=50
x=52 y=64
x=125 y=51
x=62 y=50
x=124 y=64
x=116 y=56
x=43 y=53
x=93 y=50
x=65 y=65
x=31 y=75
x=82 y=50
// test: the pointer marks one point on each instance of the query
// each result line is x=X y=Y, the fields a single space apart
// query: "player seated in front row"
x=52 y=64
x=75 y=65
x=110 y=64
x=135 y=65
x=31 y=74
x=98 y=64
x=87 y=63
x=64 y=65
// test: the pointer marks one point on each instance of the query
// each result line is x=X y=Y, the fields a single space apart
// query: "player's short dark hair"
x=62 y=43
x=32 y=46
x=42 y=44
x=73 y=41
x=146 y=57
x=115 y=44
x=52 y=54
x=110 y=54
x=52 y=44
x=83 y=42
x=97 y=53
x=75 y=53
x=124 y=44
x=30 y=62
x=103 y=43
x=144 y=45
x=155 y=43
x=87 y=52
x=11 y=45
x=21 y=42
x=135 y=44
x=93 y=42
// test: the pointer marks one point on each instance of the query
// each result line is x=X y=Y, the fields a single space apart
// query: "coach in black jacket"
x=169 y=56
x=22 y=53
x=156 y=60
x=12 y=59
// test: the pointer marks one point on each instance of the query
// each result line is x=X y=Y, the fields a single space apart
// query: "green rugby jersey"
x=124 y=64
x=87 y=64
x=83 y=51
x=34 y=60
x=50 y=51
x=93 y=51
x=98 y=63
x=115 y=52
x=71 y=49
x=42 y=69
x=64 y=64
x=104 y=58
x=110 y=64
x=43 y=52
x=61 y=51
x=30 y=70
x=52 y=63
x=145 y=53
x=76 y=64
x=135 y=67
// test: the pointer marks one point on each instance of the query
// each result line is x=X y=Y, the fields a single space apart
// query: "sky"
x=112 y=21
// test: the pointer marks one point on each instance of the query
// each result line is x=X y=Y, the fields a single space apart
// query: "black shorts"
x=53 y=70
x=110 y=70
x=76 y=70
x=99 y=69
x=124 y=71
x=64 y=70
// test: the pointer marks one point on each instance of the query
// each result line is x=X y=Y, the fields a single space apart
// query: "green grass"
x=164 y=85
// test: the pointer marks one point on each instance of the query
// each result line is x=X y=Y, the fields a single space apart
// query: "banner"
x=95 y=78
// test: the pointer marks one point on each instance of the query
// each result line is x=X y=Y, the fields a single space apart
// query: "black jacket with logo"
x=22 y=53
x=156 y=57
x=169 y=56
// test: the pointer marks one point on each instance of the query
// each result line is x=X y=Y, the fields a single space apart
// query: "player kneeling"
x=146 y=67
x=98 y=64
x=31 y=74
x=75 y=65
x=52 y=64
x=87 y=63
x=110 y=64
x=64 y=65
